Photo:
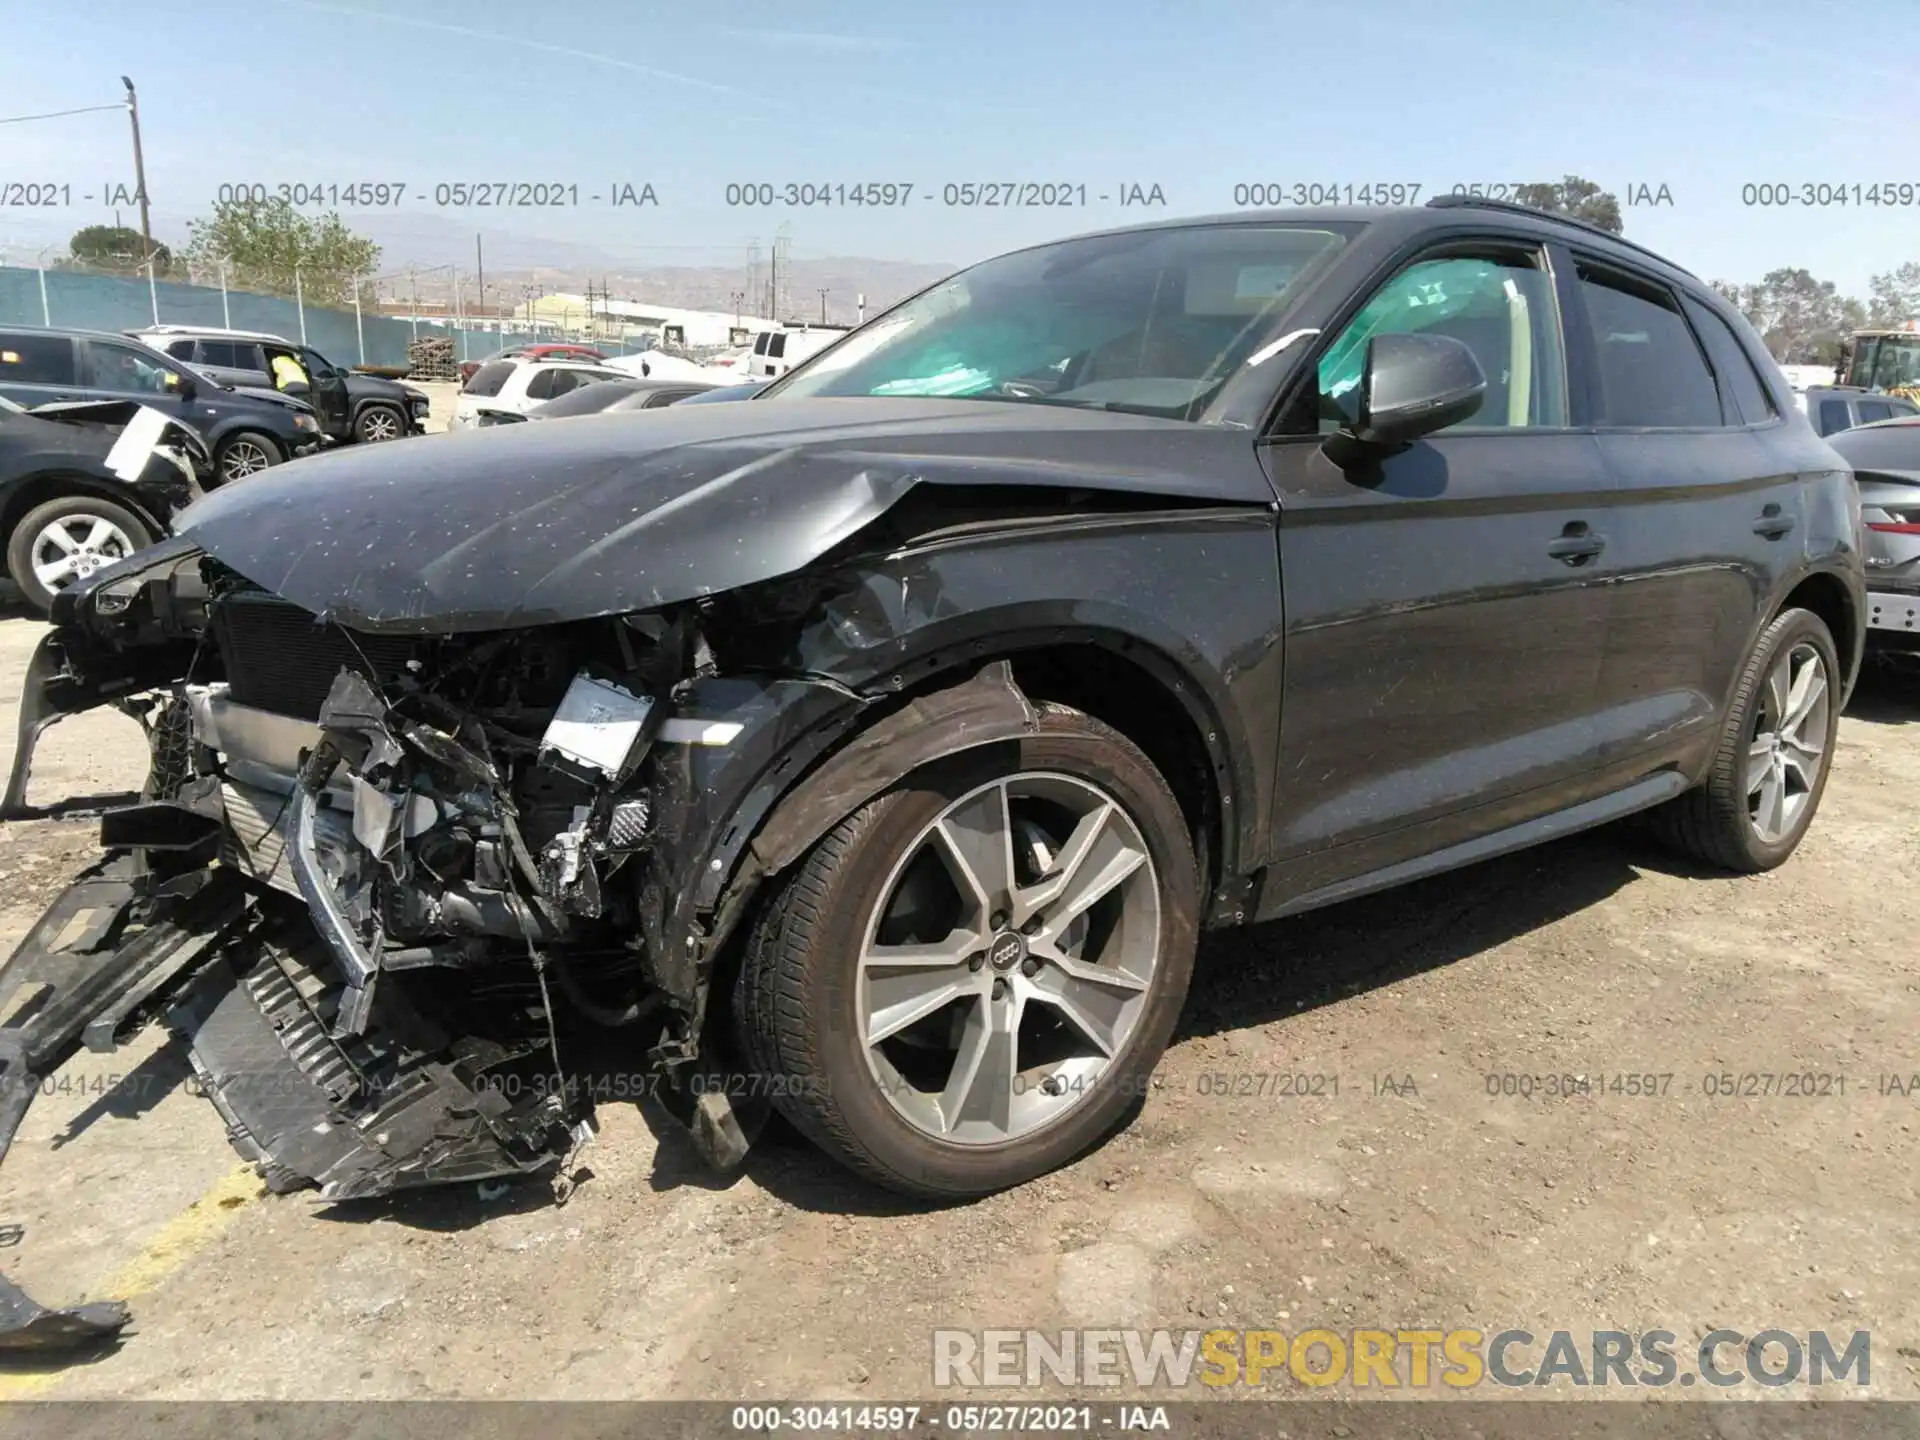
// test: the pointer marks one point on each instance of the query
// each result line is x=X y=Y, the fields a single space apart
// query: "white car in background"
x=514 y=386
x=659 y=365
x=777 y=351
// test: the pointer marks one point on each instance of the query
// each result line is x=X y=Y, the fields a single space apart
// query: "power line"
x=56 y=114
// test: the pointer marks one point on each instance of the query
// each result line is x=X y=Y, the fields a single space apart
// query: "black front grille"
x=281 y=658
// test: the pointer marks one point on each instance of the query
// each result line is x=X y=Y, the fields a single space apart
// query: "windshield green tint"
x=1151 y=321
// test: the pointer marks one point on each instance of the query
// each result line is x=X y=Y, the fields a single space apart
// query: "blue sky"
x=1195 y=97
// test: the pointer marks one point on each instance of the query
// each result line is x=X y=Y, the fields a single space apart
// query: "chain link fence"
x=343 y=318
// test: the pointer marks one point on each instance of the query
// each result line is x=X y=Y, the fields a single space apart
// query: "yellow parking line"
x=182 y=1237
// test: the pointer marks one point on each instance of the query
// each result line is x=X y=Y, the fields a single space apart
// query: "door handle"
x=1772 y=523
x=1577 y=544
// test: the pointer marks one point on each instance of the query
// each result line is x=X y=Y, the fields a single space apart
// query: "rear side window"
x=542 y=384
x=1872 y=410
x=216 y=352
x=1652 y=373
x=29 y=359
x=1833 y=417
x=488 y=379
x=1901 y=407
x=1733 y=363
x=181 y=350
x=777 y=346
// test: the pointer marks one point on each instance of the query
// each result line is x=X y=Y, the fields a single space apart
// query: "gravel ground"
x=1403 y=1194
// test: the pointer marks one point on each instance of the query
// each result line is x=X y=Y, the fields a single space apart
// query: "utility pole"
x=823 y=305
x=480 y=267
x=139 y=168
x=773 y=284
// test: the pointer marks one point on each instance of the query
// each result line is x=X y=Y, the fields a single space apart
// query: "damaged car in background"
x=875 y=749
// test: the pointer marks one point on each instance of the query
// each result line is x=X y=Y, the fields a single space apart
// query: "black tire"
x=26 y=534
x=795 y=1006
x=1712 y=821
x=370 y=419
x=233 y=448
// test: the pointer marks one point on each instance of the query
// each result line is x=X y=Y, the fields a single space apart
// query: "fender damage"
x=470 y=790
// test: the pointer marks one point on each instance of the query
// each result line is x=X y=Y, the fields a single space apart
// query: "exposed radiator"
x=280 y=658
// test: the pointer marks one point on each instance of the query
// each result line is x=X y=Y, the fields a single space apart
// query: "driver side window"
x=1500 y=305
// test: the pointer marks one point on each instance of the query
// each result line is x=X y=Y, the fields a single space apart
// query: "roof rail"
x=1514 y=207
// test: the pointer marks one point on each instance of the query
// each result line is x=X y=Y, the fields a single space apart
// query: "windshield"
x=1149 y=321
x=1897 y=365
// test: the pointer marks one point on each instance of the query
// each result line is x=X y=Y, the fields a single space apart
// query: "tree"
x=116 y=245
x=1577 y=198
x=1802 y=319
x=263 y=243
x=1895 y=297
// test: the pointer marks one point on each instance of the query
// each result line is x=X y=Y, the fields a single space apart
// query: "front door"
x=329 y=396
x=1446 y=609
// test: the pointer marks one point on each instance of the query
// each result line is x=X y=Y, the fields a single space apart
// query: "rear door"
x=38 y=368
x=1448 y=607
x=225 y=361
x=1709 y=520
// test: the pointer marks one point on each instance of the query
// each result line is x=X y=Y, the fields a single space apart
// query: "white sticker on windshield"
x=131 y=452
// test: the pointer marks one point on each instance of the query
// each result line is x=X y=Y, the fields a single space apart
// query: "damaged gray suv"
x=876 y=749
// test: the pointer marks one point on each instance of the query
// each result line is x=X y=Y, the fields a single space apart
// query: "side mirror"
x=297 y=388
x=1412 y=385
x=181 y=385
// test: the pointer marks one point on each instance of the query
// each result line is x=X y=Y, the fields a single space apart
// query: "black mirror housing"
x=1412 y=386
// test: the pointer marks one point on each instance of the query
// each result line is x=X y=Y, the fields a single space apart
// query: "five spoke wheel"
x=1009 y=958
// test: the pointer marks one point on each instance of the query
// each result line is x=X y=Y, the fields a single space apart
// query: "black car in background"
x=86 y=484
x=245 y=431
x=1834 y=409
x=351 y=406
x=881 y=745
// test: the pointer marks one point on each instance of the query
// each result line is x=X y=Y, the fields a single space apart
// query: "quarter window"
x=1733 y=363
x=181 y=349
x=217 y=352
x=1500 y=307
x=1872 y=410
x=1652 y=373
x=1833 y=417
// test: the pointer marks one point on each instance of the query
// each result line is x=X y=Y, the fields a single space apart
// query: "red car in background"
x=533 y=352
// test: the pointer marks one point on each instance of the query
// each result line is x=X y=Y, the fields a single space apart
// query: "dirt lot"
x=1439 y=1205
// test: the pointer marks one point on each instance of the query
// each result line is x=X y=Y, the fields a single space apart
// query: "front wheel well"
x=1127 y=695
x=58 y=485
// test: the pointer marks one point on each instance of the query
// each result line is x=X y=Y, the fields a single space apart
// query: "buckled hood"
x=533 y=525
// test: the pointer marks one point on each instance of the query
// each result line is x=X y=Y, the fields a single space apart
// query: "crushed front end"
x=403 y=894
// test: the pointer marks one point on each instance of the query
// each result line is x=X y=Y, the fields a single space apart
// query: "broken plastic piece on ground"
x=25 y=1324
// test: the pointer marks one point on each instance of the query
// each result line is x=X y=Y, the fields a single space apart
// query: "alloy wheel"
x=1009 y=958
x=76 y=545
x=244 y=458
x=378 y=425
x=1788 y=745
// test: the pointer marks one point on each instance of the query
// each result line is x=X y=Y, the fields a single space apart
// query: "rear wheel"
x=1771 y=765
x=967 y=982
x=66 y=540
x=247 y=453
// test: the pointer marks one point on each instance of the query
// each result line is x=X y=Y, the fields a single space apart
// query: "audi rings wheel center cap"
x=1008 y=949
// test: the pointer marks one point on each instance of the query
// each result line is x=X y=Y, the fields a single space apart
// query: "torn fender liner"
x=26 y=1324
x=88 y=967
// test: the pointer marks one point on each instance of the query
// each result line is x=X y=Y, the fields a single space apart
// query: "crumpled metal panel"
x=526 y=525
